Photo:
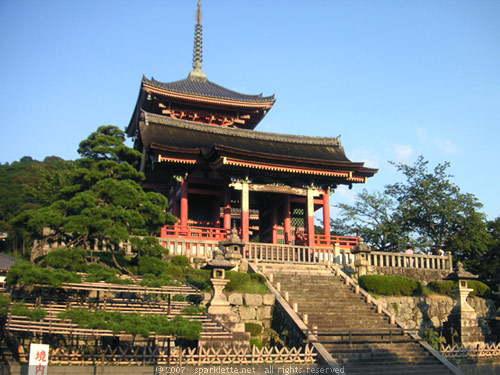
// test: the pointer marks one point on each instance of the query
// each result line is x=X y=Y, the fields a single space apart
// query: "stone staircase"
x=359 y=338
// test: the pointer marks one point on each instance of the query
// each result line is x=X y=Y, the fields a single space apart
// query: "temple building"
x=200 y=149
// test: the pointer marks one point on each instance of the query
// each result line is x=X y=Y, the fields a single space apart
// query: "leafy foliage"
x=19 y=309
x=134 y=324
x=26 y=274
x=444 y=287
x=180 y=260
x=430 y=205
x=373 y=215
x=4 y=303
x=103 y=200
x=389 y=285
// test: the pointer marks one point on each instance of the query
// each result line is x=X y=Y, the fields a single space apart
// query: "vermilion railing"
x=205 y=233
x=220 y=234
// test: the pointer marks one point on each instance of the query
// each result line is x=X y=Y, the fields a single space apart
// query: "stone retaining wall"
x=431 y=311
x=251 y=308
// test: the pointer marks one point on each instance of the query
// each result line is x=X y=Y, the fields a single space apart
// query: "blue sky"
x=396 y=79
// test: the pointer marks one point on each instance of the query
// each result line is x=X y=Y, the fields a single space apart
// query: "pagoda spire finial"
x=198 y=46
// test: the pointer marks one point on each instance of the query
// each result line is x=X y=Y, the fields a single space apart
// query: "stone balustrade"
x=256 y=252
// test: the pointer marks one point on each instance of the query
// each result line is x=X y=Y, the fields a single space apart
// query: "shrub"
x=180 y=260
x=68 y=259
x=26 y=274
x=236 y=279
x=256 y=342
x=258 y=278
x=158 y=281
x=198 y=278
x=4 y=303
x=19 y=309
x=246 y=283
x=444 y=287
x=179 y=298
x=253 y=328
x=133 y=323
x=152 y=265
x=389 y=285
x=480 y=289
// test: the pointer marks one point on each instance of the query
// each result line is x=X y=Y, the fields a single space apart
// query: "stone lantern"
x=219 y=303
x=463 y=318
x=233 y=247
x=362 y=252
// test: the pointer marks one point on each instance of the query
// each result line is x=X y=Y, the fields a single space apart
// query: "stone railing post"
x=450 y=261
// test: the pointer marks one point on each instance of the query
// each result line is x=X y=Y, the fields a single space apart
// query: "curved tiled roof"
x=185 y=134
x=206 y=88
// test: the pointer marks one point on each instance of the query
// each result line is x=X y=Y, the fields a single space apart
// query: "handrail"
x=392 y=317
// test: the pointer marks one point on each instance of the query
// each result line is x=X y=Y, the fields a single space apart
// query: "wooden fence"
x=176 y=356
x=476 y=351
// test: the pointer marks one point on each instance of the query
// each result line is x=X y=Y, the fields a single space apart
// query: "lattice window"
x=200 y=209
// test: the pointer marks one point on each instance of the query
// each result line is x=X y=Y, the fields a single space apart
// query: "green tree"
x=430 y=206
x=104 y=201
x=373 y=217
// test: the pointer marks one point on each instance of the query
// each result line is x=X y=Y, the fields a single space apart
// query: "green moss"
x=389 y=285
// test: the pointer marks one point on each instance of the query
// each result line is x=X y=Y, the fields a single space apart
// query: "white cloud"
x=345 y=194
x=403 y=153
x=365 y=156
x=447 y=146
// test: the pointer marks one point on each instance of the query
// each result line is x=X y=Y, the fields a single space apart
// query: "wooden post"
x=245 y=212
x=288 y=220
x=310 y=216
x=274 y=223
x=227 y=209
x=326 y=216
x=184 y=204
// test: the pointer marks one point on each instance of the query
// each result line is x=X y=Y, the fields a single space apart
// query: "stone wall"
x=422 y=275
x=431 y=311
x=251 y=308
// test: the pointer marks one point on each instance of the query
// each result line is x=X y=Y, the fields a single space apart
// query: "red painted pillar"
x=245 y=212
x=288 y=220
x=184 y=204
x=326 y=215
x=227 y=209
x=274 y=222
x=310 y=216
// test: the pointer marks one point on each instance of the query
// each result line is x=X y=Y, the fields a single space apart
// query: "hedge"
x=444 y=287
x=389 y=285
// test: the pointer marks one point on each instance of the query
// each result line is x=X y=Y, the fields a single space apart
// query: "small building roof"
x=6 y=262
x=198 y=86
